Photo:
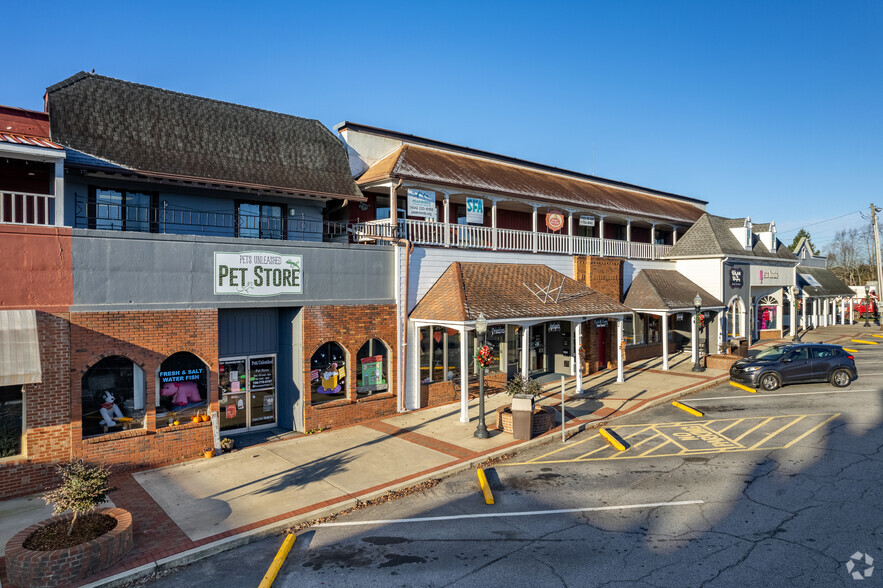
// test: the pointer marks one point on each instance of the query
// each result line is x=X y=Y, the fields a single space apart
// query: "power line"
x=821 y=222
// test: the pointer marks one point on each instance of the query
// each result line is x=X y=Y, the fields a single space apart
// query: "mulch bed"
x=54 y=536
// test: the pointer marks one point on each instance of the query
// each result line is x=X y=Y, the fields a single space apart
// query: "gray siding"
x=140 y=271
x=248 y=331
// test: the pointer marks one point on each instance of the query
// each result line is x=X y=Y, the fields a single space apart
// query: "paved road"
x=781 y=488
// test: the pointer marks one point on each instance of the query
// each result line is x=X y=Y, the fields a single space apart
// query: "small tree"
x=82 y=488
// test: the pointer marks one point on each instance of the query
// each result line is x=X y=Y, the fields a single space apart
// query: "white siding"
x=704 y=272
x=631 y=268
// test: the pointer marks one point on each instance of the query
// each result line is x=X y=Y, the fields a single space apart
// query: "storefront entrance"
x=247 y=392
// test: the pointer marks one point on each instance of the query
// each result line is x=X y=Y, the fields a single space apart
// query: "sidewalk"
x=191 y=510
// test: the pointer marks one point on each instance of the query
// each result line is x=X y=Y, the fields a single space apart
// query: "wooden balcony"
x=20 y=208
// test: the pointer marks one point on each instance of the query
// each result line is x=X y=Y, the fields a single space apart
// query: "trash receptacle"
x=743 y=347
x=522 y=416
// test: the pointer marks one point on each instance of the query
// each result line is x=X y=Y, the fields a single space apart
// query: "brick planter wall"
x=638 y=352
x=63 y=567
x=543 y=420
x=770 y=335
x=721 y=362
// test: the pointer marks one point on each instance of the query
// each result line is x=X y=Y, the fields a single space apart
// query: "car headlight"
x=752 y=369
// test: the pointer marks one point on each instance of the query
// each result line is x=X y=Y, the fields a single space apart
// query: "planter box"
x=542 y=422
x=63 y=567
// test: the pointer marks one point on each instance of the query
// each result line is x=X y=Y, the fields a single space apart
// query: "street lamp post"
x=794 y=319
x=867 y=304
x=481 y=431
x=697 y=306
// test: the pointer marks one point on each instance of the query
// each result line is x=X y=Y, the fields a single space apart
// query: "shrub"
x=521 y=385
x=82 y=488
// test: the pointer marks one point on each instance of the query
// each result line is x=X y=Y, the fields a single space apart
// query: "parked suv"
x=796 y=363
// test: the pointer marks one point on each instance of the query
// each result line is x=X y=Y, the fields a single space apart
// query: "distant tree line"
x=851 y=255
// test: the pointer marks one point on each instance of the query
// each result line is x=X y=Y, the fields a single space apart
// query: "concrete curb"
x=184 y=558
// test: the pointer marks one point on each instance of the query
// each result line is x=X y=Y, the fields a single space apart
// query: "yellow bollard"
x=485 y=488
x=270 y=576
x=611 y=439
x=746 y=388
x=689 y=409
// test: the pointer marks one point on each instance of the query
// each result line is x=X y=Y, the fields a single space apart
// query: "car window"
x=822 y=352
x=798 y=354
x=773 y=353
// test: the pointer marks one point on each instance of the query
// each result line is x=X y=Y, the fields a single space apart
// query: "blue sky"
x=768 y=109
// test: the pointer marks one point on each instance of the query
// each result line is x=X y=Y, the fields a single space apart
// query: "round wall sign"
x=554 y=220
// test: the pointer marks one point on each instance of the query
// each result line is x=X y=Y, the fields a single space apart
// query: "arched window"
x=767 y=313
x=734 y=318
x=372 y=361
x=112 y=396
x=183 y=389
x=328 y=373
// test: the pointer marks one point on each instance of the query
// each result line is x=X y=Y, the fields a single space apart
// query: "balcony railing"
x=166 y=220
x=20 y=208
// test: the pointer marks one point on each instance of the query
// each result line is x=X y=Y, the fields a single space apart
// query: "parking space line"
x=787 y=445
x=649 y=451
x=847 y=391
x=570 y=446
x=608 y=447
x=733 y=424
x=752 y=429
x=777 y=431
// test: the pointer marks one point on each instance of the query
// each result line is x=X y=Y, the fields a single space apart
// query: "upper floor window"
x=260 y=221
x=118 y=210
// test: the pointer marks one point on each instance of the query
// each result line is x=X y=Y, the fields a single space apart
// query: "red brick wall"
x=764 y=335
x=639 y=352
x=602 y=274
x=350 y=327
x=721 y=362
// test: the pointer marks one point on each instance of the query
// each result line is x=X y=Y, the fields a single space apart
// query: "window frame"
x=22 y=444
x=262 y=233
x=92 y=205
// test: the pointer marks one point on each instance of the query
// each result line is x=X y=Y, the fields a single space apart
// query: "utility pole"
x=874 y=211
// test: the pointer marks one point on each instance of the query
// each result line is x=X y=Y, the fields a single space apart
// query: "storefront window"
x=767 y=313
x=112 y=396
x=495 y=339
x=734 y=319
x=328 y=372
x=11 y=420
x=633 y=329
x=183 y=389
x=373 y=363
x=513 y=349
x=653 y=329
x=453 y=354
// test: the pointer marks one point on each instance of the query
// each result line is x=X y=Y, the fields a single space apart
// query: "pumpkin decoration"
x=176 y=422
x=204 y=417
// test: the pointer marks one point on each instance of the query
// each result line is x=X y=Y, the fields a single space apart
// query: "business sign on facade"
x=474 y=211
x=421 y=203
x=766 y=275
x=736 y=277
x=601 y=322
x=258 y=273
x=554 y=220
x=587 y=221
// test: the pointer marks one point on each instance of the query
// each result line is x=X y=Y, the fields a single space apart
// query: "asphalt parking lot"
x=780 y=487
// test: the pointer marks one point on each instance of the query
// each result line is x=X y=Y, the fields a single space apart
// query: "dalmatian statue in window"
x=109 y=410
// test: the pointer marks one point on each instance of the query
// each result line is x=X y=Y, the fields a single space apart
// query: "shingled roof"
x=670 y=290
x=711 y=236
x=534 y=182
x=503 y=291
x=179 y=136
x=820 y=282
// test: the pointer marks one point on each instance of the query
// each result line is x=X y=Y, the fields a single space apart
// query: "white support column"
x=619 y=340
x=570 y=233
x=447 y=207
x=628 y=238
x=851 y=315
x=803 y=312
x=525 y=352
x=494 y=224
x=534 y=234
x=674 y=235
x=393 y=210
x=59 y=193
x=652 y=240
x=794 y=319
x=464 y=375
x=825 y=312
x=577 y=362
x=414 y=342
x=843 y=311
x=601 y=233
x=664 y=319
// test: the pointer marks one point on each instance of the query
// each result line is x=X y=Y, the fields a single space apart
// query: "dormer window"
x=748 y=232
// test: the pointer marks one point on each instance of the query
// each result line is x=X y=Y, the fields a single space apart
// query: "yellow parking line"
x=568 y=446
x=270 y=576
x=746 y=388
x=880 y=336
x=639 y=443
x=649 y=451
x=866 y=342
x=776 y=432
x=752 y=429
x=734 y=423
x=852 y=350
x=827 y=420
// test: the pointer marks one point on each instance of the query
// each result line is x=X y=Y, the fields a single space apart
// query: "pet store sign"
x=258 y=273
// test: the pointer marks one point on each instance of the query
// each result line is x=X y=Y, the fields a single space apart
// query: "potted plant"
x=208 y=452
x=77 y=544
x=227 y=444
x=524 y=391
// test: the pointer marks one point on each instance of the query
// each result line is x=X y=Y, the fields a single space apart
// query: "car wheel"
x=769 y=382
x=841 y=378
